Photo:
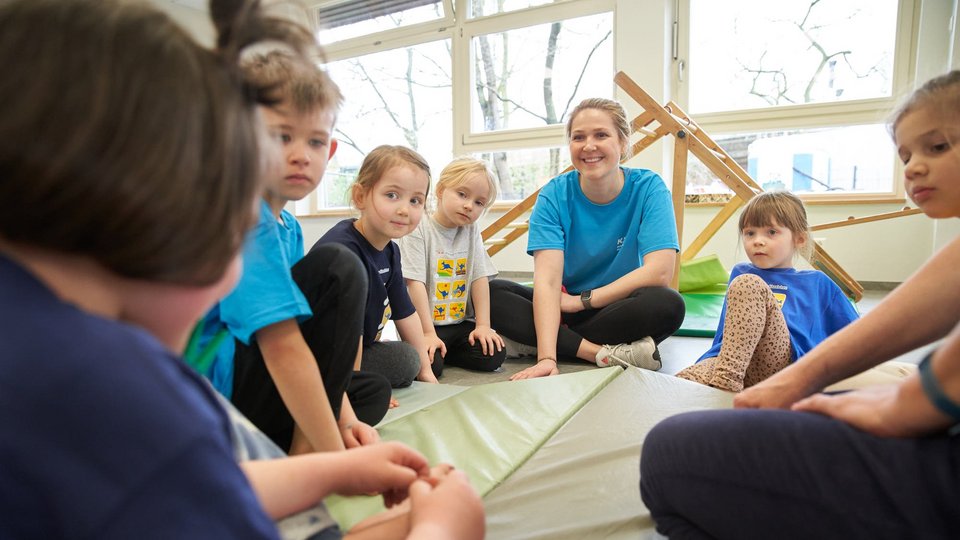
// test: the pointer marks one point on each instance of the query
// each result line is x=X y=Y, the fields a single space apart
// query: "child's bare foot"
x=543 y=368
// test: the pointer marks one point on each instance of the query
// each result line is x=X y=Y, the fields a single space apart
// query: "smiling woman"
x=604 y=243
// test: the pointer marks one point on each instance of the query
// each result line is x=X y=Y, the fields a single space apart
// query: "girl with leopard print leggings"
x=773 y=313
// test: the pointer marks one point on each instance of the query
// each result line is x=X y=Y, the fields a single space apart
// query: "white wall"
x=887 y=251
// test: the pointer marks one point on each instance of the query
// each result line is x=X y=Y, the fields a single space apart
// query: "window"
x=495 y=84
x=521 y=172
x=400 y=96
x=532 y=76
x=341 y=20
x=797 y=91
x=822 y=160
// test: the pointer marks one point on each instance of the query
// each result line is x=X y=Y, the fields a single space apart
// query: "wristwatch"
x=585 y=298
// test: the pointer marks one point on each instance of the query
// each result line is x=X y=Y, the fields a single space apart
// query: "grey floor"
x=676 y=353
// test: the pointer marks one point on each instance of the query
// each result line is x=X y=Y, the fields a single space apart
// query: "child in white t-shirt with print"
x=447 y=271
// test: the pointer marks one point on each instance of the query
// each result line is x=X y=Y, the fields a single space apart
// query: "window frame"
x=813 y=115
x=461 y=31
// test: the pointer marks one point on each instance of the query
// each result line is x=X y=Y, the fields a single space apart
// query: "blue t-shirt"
x=387 y=296
x=812 y=306
x=106 y=434
x=266 y=293
x=603 y=242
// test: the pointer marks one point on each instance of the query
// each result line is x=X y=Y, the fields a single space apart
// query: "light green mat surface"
x=487 y=430
x=584 y=481
x=418 y=396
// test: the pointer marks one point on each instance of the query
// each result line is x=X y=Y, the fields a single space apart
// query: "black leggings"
x=785 y=474
x=333 y=280
x=649 y=311
x=460 y=353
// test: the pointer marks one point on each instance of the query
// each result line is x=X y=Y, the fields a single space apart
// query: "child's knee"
x=748 y=282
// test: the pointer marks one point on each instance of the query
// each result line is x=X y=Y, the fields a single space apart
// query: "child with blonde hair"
x=773 y=313
x=447 y=271
x=390 y=192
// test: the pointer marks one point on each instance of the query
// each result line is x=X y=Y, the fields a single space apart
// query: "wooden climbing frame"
x=657 y=121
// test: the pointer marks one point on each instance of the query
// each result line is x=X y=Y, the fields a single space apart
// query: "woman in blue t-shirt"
x=604 y=243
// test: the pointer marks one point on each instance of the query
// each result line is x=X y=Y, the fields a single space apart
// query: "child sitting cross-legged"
x=447 y=270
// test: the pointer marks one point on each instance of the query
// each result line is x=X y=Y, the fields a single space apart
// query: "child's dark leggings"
x=334 y=283
x=460 y=353
x=650 y=311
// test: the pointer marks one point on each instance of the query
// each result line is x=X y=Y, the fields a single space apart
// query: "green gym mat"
x=703 y=284
x=703 y=313
x=487 y=430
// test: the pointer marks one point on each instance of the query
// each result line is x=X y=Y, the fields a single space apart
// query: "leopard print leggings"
x=756 y=341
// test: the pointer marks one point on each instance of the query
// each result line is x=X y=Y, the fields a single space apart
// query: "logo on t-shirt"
x=443 y=291
x=459 y=288
x=461 y=267
x=457 y=310
x=387 y=312
x=781 y=298
x=620 y=243
x=445 y=268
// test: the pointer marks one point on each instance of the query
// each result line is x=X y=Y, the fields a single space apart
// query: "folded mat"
x=585 y=481
x=703 y=313
x=486 y=430
x=702 y=273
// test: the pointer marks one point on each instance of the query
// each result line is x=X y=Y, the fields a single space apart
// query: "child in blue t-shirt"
x=390 y=190
x=772 y=314
x=447 y=270
x=290 y=361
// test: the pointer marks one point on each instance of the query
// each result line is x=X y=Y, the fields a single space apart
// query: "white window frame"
x=812 y=115
x=461 y=31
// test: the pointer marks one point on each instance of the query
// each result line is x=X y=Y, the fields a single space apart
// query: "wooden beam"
x=711 y=228
x=876 y=217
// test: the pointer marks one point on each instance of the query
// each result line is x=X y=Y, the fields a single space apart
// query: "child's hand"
x=357 y=433
x=543 y=368
x=488 y=338
x=393 y=403
x=388 y=468
x=434 y=343
x=450 y=508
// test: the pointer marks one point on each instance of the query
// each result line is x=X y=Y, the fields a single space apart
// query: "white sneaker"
x=642 y=353
x=516 y=349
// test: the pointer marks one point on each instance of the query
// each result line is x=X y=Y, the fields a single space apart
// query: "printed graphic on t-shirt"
x=461 y=267
x=459 y=288
x=445 y=268
x=781 y=298
x=442 y=291
x=440 y=312
x=386 y=317
x=457 y=310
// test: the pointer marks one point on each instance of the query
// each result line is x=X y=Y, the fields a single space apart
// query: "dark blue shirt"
x=106 y=434
x=387 y=296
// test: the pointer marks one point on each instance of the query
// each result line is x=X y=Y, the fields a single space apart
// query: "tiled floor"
x=676 y=353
